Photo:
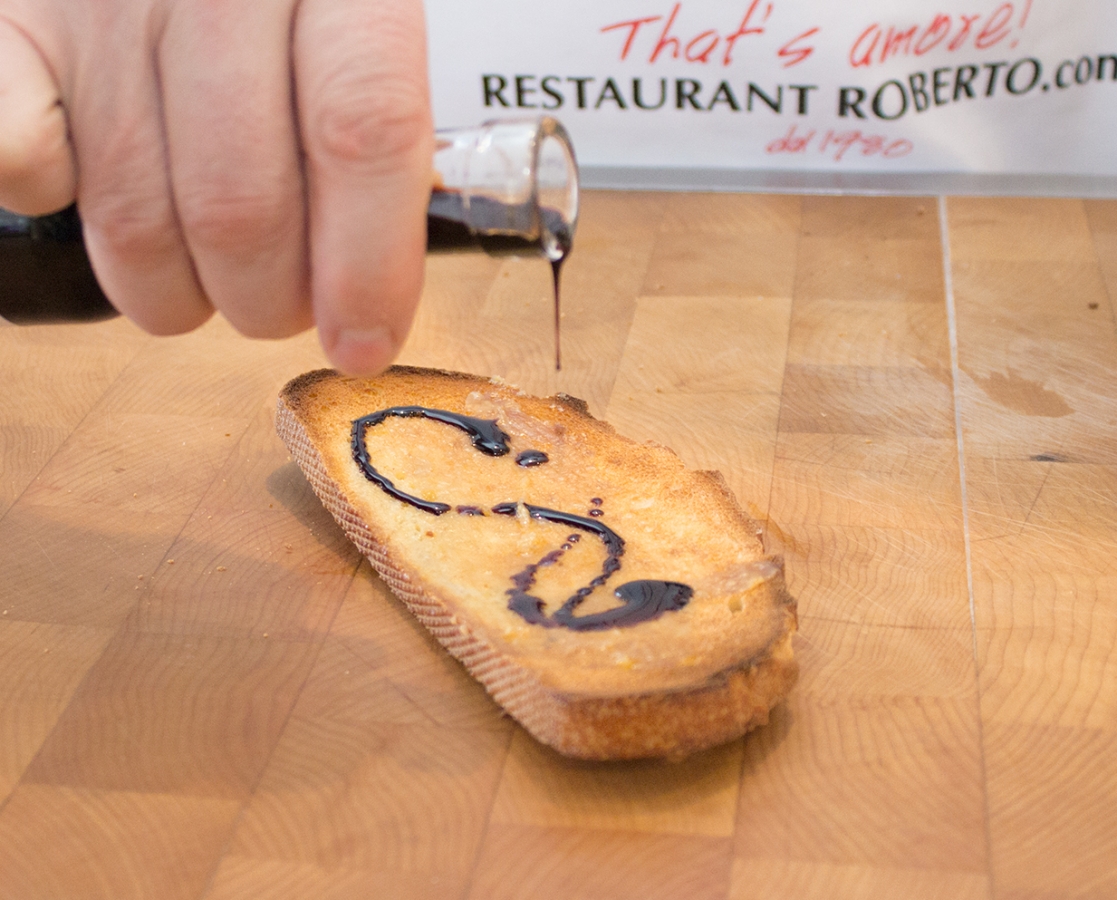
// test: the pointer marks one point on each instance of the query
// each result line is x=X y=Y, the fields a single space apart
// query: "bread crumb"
x=220 y=569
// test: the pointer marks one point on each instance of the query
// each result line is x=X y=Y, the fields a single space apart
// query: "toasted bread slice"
x=615 y=603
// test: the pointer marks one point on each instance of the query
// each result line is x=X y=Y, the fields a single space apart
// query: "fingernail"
x=362 y=351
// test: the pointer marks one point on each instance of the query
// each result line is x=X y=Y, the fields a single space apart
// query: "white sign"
x=879 y=86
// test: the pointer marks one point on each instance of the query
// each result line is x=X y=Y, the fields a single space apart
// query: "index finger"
x=364 y=113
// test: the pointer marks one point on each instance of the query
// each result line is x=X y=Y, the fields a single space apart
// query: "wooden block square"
x=778 y=879
x=884 y=782
x=269 y=879
x=865 y=400
x=863 y=332
x=701 y=264
x=1046 y=633
x=192 y=715
x=524 y=862
x=909 y=579
x=80 y=566
x=1102 y=216
x=25 y=449
x=730 y=213
x=40 y=668
x=289 y=584
x=1011 y=305
x=1047 y=494
x=380 y=665
x=85 y=360
x=117 y=845
x=1052 y=811
x=407 y=799
x=695 y=796
x=870 y=269
x=141 y=463
x=671 y=347
x=852 y=216
x=1019 y=229
x=851 y=479
x=210 y=372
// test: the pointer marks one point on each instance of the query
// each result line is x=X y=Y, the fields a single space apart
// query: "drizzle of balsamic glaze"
x=484 y=434
x=643 y=600
x=529 y=458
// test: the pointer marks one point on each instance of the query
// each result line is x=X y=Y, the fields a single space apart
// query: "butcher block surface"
x=206 y=693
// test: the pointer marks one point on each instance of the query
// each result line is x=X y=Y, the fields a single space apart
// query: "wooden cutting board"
x=204 y=693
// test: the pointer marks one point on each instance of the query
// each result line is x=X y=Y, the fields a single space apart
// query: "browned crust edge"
x=648 y=725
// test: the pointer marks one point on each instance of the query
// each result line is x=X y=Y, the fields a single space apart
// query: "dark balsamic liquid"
x=498 y=229
x=484 y=434
x=530 y=458
x=643 y=600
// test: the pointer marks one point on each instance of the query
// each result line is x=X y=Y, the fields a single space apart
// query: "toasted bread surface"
x=463 y=536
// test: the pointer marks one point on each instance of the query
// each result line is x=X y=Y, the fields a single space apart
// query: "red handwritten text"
x=701 y=47
x=836 y=144
x=979 y=31
x=794 y=51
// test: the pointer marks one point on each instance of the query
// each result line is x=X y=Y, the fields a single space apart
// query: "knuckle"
x=369 y=121
x=130 y=231
x=233 y=220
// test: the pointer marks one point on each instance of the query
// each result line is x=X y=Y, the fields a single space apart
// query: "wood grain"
x=1038 y=353
x=205 y=694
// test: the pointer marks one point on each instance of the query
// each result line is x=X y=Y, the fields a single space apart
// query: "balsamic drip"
x=498 y=229
x=561 y=230
x=529 y=458
x=643 y=600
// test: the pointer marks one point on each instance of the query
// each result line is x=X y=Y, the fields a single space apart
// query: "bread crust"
x=687 y=680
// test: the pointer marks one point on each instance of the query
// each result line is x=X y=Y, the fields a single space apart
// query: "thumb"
x=37 y=173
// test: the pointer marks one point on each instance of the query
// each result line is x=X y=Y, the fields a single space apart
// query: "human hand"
x=268 y=159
